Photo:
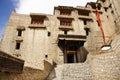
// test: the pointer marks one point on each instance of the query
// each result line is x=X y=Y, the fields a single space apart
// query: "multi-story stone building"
x=67 y=36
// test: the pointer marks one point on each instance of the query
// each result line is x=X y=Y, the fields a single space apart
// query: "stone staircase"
x=76 y=71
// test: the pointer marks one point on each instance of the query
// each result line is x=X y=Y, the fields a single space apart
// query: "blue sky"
x=32 y=6
x=6 y=6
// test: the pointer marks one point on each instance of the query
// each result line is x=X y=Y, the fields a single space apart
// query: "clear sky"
x=32 y=6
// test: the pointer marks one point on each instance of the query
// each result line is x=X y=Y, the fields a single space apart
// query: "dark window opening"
x=94 y=6
x=19 y=32
x=85 y=22
x=112 y=12
x=110 y=6
x=49 y=33
x=99 y=8
x=87 y=31
x=17 y=45
x=106 y=9
x=46 y=56
x=107 y=16
x=65 y=32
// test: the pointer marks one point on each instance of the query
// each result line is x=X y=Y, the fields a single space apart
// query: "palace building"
x=63 y=46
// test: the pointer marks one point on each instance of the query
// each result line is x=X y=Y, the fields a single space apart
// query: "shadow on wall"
x=82 y=54
x=28 y=73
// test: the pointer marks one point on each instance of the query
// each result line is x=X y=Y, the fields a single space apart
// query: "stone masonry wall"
x=28 y=73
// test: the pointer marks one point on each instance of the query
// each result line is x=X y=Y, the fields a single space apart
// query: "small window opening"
x=85 y=22
x=107 y=16
x=105 y=9
x=19 y=32
x=65 y=32
x=99 y=8
x=110 y=6
x=46 y=56
x=49 y=33
x=18 y=45
x=87 y=31
x=112 y=12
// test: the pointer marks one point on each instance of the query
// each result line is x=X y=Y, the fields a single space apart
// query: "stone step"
x=78 y=71
x=75 y=71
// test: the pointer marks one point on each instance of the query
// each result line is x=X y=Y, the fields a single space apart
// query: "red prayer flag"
x=100 y=23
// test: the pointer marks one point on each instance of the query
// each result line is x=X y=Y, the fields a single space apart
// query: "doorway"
x=73 y=51
x=70 y=58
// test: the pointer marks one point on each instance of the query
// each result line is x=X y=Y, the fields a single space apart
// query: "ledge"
x=84 y=17
x=70 y=17
x=64 y=7
x=19 y=38
x=83 y=8
x=20 y=28
x=72 y=37
x=37 y=26
x=66 y=27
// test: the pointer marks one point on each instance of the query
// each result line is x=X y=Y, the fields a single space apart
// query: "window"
x=85 y=22
x=65 y=32
x=112 y=12
x=107 y=16
x=65 y=22
x=46 y=56
x=99 y=7
x=65 y=12
x=37 y=21
x=18 y=45
x=106 y=9
x=19 y=32
x=110 y=6
x=87 y=31
x=49 y=33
